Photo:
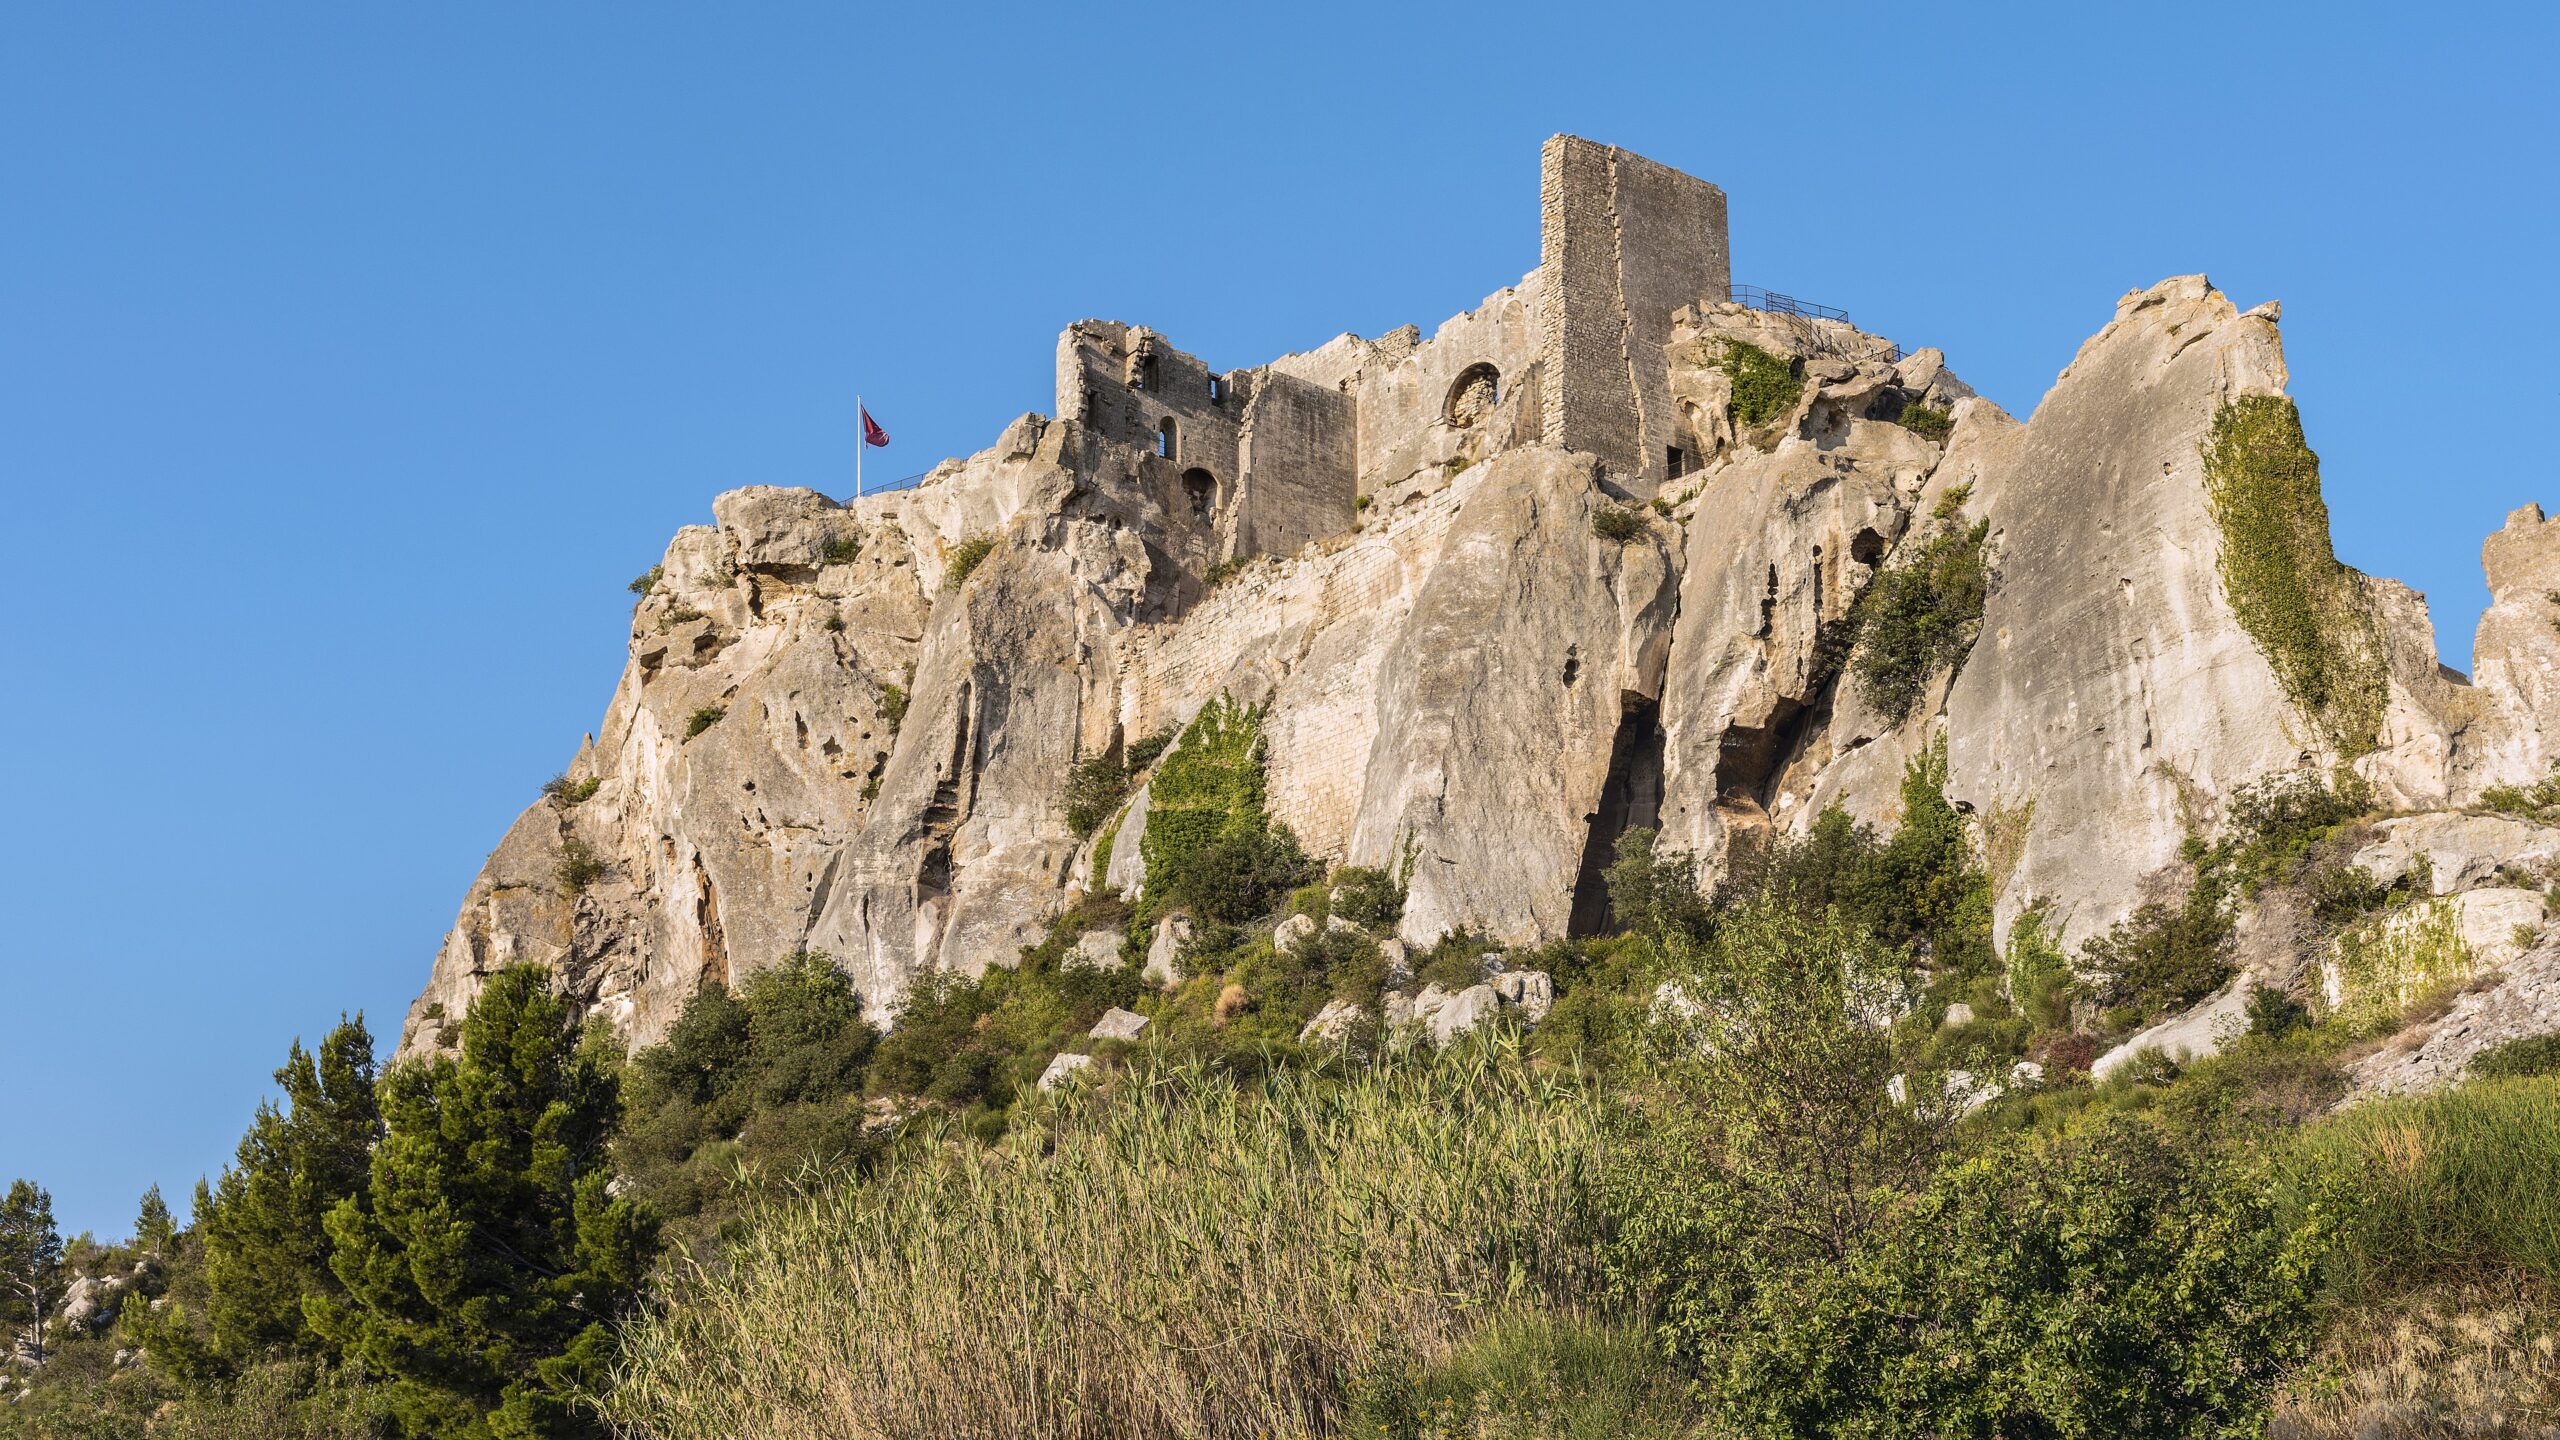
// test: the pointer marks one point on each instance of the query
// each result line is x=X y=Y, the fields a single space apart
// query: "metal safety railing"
x=1778 y=303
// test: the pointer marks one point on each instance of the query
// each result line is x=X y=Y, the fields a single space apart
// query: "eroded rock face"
x=829 y=738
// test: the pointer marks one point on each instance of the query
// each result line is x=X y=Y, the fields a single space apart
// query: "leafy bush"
x=1143 y=753
x=1616 y=523
x=1367 y=896
x=1182 y=1254
x=2307 y=613
x=841 y=550
x=648 y=580
x=1765 y=386
x=2162 y=958
x=965 y=559
x=703 y=719
x=893 y=706
x=1925 y=420
x=572 y=792
x=1920 y=615
x=576 y=866
x=764 y=1082
x=1655 y=892
x=2105 y=1285
x=1095 y=788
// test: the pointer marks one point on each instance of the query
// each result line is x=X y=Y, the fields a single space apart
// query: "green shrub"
x=2109 y=1284
x=893 y=706
x=1367 y=896
x=2307 y=613
x=572 y=792
x=1616 y=524
x=576 y=866
x=2534 y=1055
x=841 y=550
x=1926 y=421
x=2537 y=801
x=648 y=580
x=965 y=558
x=1765 y=386
x=2162 y=958
x=2038 y=972
x=761 y=1083
x=1920 y=616
x=2461 y=1185
x=1654 y=892
x=1455 y=962
x=1182 y=1254
x=703 y=719
x=1095 y=788
x=1143 y=753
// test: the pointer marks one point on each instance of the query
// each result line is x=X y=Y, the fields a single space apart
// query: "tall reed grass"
x=1185 y=1254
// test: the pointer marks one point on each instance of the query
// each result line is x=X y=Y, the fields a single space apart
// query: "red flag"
x=872 y=434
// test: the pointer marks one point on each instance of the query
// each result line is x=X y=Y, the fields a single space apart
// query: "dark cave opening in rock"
x=1631 y=798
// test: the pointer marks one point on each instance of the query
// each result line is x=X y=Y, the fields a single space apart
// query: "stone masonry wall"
x=1623 y=242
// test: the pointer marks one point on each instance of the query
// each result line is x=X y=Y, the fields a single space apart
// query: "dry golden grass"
x=1183 y=1254
x=2452 y=1364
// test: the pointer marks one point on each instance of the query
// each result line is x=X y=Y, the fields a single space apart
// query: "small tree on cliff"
x=485 y=1264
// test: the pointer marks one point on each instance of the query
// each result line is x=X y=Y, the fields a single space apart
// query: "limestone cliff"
x=1483 y=654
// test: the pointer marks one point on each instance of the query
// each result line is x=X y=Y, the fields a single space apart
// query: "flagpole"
x=861 y=442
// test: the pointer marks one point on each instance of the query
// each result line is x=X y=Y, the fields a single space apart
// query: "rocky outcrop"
x=847 y=727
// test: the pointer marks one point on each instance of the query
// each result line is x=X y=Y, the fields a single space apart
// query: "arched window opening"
x=1217 y=390
x=1164 y=437
x=1142 y=371
x=1473 y=395
x=1201 y=489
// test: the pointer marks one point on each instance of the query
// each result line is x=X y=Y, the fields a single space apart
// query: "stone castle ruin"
x=1571 y=357
x=1495 y=596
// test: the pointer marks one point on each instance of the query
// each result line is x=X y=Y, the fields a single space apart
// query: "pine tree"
x=485 y=1265
x=266 y=1248
x=154 y=1229
x=30 y=1262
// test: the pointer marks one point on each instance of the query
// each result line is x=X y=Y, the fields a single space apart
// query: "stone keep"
x=1623 y=242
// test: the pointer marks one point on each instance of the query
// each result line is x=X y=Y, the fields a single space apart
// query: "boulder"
x=1957 y=1014
x=1399 y=967
x=2196 y=1034
x=1164 y=953
x=1097 y=950
x=1063 y=1067
x=1293 y=930
x=1450 y=1014
x=1334 y=1024
x=1533 y=992
x=2463 y=851
x=1118 y=1024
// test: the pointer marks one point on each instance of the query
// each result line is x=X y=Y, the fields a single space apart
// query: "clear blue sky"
x=352 y=357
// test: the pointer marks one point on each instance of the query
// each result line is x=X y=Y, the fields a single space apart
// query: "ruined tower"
x=1623 y=242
